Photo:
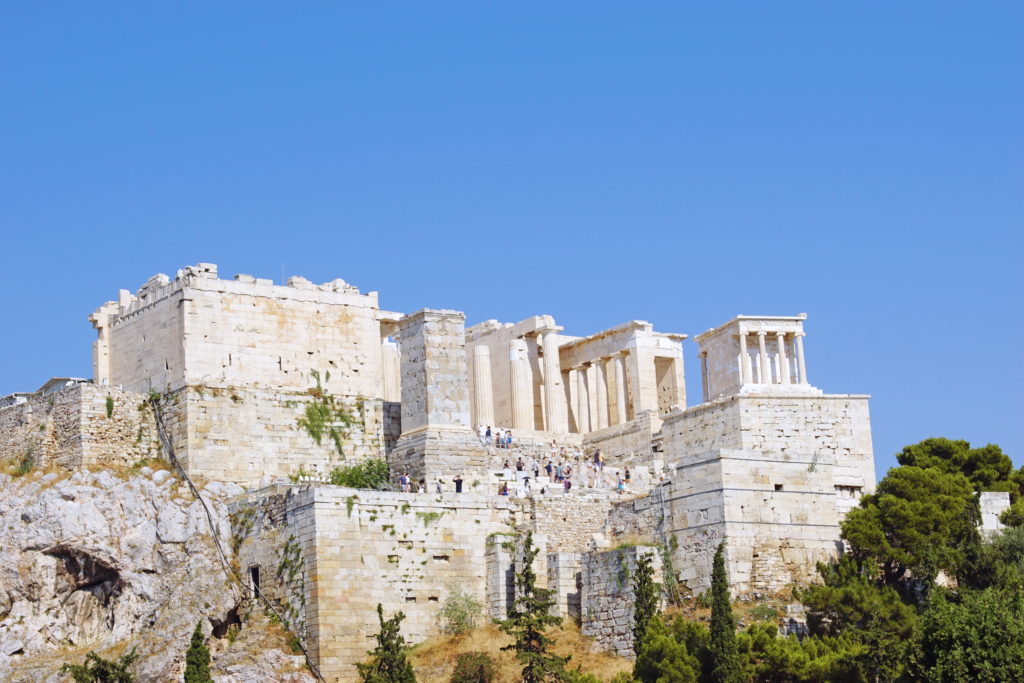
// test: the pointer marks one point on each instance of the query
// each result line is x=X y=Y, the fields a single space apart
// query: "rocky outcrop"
x=105 y=561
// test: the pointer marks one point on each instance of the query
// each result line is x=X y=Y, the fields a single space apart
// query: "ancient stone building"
x=764 y=461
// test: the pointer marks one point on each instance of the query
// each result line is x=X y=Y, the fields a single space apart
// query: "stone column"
x=555 y=418
x=582 y=400
x=744 y=360
x=783 y=358
x=765 y=371
x=704 y=376
x=800 y=357
x=392 y=362
x=601 y=377
x=592 y=395
x=520 y=390
x=483 y=391
x=620 y=388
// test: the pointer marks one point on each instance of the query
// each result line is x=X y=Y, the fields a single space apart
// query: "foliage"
x=388 y=663
x=529 y=619
x=369 y=474
x=663 y=658
x=460 y=613
x=25 y=465
x=324 y=415
x=110 y=406
x=973 y=636
x=724 y=657
x=96 y=669
x=474 y=667
x=671 y=587
x=1014 y=515
x=987 y=468
x=645 y=599
x=918 y=522
x=197 y=659
x=769 y=658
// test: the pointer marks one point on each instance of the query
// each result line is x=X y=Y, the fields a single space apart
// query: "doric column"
x=555 y=419
x=601 y=382
x=522 y=397
x=744 y=360
x=704 y=375
x=582 y=400
x=620 y=388
x=800 y=357
x=783 y=358
x=483 y=397
x=764 y=372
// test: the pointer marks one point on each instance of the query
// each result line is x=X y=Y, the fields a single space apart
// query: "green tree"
x=645 y=599
x=474 y=667
x=197 y=659
x=662 y=658
x=971 y=636
x=388 y=663
x=724 y=658
x=987 y=468
x=528 y=622
x=96 y=669
x=919 y=521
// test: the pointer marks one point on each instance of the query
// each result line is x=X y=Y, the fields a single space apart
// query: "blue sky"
x=597 y=161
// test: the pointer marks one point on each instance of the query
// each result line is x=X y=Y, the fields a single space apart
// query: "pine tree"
x=645 y=600
x=388 y=663
x=197 y=659
x=725 y=664
x=99 y=670
x=528 y=619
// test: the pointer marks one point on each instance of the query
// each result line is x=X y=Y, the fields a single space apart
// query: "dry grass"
x=434 y=659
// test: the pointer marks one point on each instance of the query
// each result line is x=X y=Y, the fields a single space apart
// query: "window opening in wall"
x=778 y=487
x=432 y=598
x=441 y=558
x=254 y=579
x=410 y=598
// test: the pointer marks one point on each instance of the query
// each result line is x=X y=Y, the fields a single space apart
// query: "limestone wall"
x=405 y=551
x=70 y=428
x=200 y=330
x=565 y=580
x=570 y=521
x=608 y=598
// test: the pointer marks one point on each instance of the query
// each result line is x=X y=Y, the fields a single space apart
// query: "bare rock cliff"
x=104 y=561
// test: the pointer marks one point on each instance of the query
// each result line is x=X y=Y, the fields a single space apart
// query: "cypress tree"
x=725 y=664
x=528 y=620
x=645 y=600
x=388 y=663
x=197 y=659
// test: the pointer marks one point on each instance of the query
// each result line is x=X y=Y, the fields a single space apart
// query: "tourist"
x=550 y=469
x=627 y=477
x=559 y=473
x=423 y=486
x=488 y=434
x=484 y=439
x=567 y=484
x=458 y=483
x=508 y=438
x=503 y=489
x=406 y=482
x=519 y=464
x=440 y=486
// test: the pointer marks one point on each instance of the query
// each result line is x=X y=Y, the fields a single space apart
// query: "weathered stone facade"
x=766 y=461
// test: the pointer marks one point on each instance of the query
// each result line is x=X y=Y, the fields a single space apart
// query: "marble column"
x=744 y=360
x=521 y=395
x=764 y=372
x=704 y=376
x=483 y=396
x=555 y=417
x=783 y=358
x=601 y=377
x=800 y=357
x=619 y=364
x=582 y=400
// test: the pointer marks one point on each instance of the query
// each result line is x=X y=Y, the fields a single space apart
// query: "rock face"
x=97 y=561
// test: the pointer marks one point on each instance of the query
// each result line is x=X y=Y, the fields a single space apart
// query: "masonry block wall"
x=608 y=598
x=358 y=548
x=71 y=428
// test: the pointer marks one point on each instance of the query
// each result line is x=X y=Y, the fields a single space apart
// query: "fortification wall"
x=70 y=428
x=200 y=330
x=570 y=521
x=608 y=597
x=356 y=549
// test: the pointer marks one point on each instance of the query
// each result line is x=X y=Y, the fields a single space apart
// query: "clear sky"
x=597 y=161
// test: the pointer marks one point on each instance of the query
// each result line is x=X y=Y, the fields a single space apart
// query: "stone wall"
x=70 y=428
x=356 y=548
x=608 y=598
x=992 y=504
x=565 y=580
x=570 y=521
x=200 y=330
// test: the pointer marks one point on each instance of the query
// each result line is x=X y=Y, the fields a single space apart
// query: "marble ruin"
x=764 y=460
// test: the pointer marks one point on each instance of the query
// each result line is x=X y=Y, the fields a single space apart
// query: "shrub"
x=96 y=669
x=461 y=613
x=369 y=474
x=474 y=667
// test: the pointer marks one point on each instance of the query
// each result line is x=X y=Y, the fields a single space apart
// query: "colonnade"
x=761 y=372
x=601 y=397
